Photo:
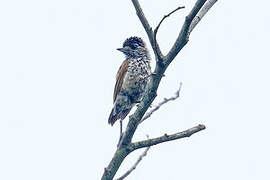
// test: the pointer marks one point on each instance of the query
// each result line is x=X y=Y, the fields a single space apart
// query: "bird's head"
x=134 y=47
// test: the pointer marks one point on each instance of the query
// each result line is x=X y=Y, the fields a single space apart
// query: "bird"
x=131 y=79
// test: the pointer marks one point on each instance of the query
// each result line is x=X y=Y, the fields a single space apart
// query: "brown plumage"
x=119 y=81
x=119 y=78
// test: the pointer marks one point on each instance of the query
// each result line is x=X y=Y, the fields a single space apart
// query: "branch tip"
x=202 y=126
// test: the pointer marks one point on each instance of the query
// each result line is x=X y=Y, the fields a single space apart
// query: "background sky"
x=58 y=62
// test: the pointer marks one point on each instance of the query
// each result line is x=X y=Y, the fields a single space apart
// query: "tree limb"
x=165 y=138
x=201 y=13
x=151 y=142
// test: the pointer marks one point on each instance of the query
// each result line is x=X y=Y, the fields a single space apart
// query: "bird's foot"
x=121 y=134
x=120 y=138
x=137 y=103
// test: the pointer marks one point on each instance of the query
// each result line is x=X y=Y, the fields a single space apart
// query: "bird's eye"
x=134 y=46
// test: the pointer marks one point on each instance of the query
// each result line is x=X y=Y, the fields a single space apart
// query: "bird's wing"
x=120 y=78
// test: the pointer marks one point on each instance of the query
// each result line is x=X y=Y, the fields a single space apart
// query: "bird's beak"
x=120 y=49
x=124 y=49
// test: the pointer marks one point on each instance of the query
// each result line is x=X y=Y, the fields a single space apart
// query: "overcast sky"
x=58 y=62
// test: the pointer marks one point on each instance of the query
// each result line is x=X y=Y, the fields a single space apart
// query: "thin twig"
x=121 y=132
x=159 y=54
x=164 y=17
x=135 y=164
x=165 y=100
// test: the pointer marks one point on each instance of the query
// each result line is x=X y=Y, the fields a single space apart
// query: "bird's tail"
x=114 y=116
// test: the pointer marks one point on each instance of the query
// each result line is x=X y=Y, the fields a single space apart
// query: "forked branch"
x=183 y=36
x=135 y=164
x=160 y=58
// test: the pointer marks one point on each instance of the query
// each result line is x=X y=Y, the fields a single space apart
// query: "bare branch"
x=165 y=100
x=183 y=36
x=136 y=163
x=159 y=53
x=147 y=28
x=208 y=5
x=166 y=138
x=126 y=146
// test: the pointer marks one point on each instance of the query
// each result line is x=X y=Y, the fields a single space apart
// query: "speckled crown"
x=132 y=41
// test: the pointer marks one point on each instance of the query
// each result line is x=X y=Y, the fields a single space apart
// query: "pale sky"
x=58 y=62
